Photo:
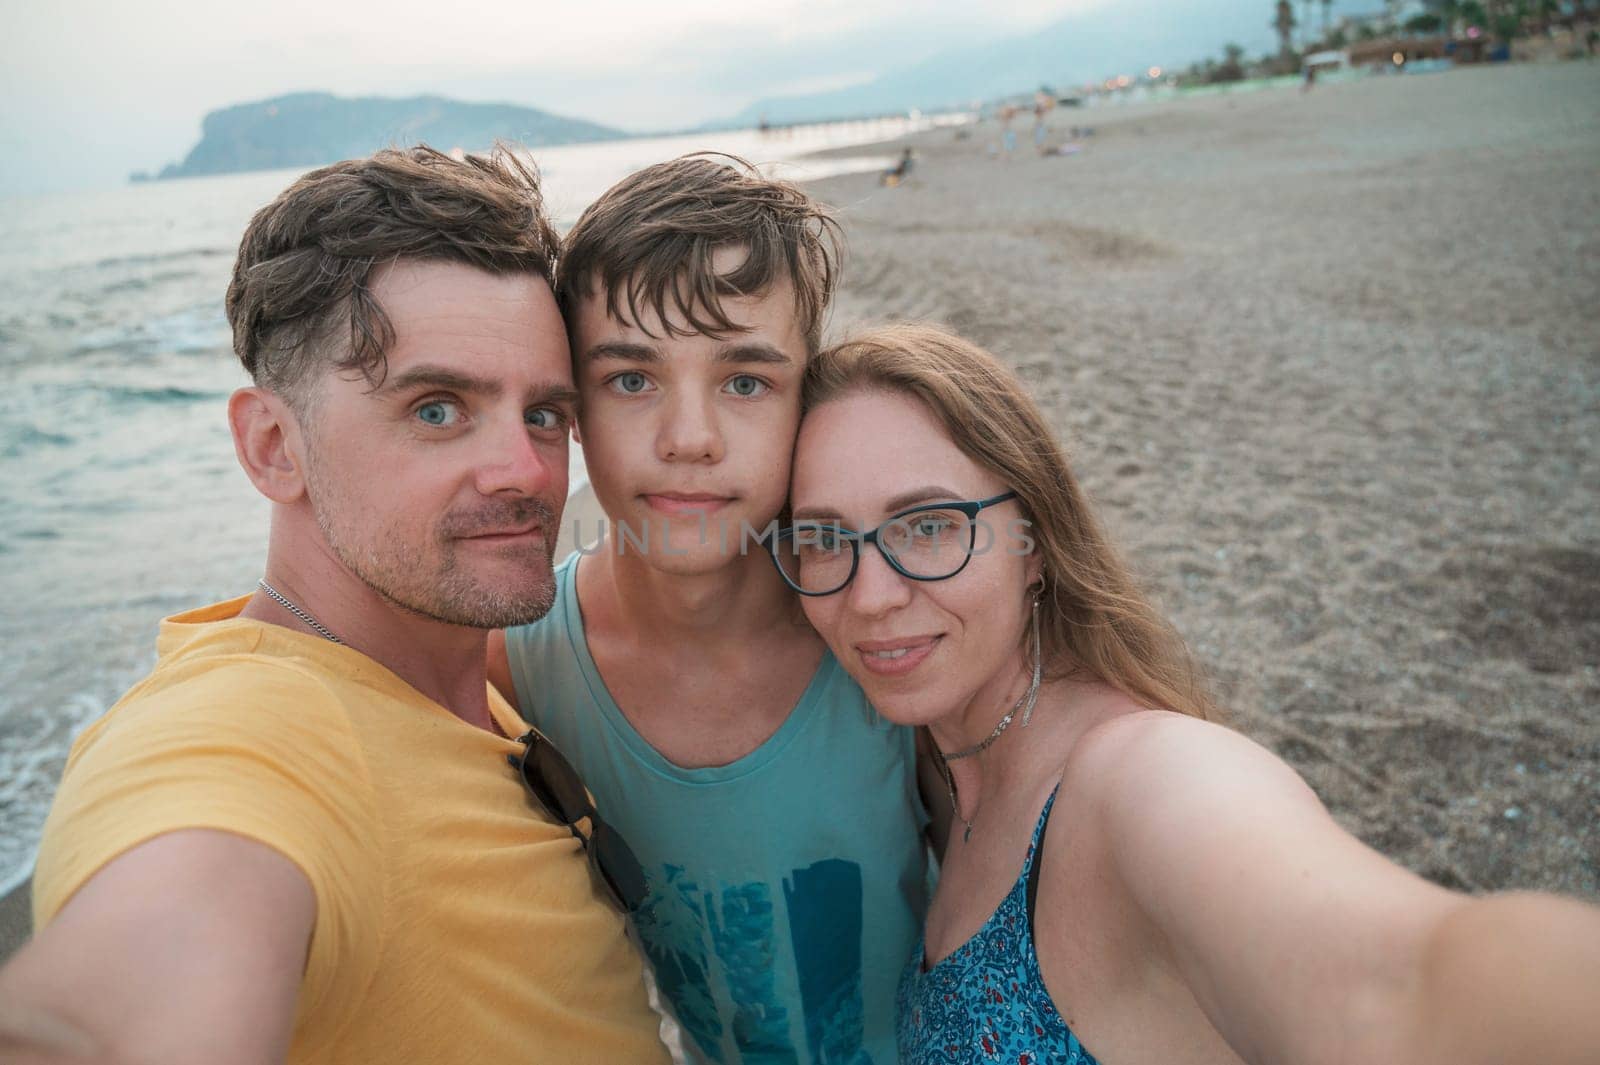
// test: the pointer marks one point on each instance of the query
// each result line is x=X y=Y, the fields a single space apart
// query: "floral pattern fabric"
x=987 y=1001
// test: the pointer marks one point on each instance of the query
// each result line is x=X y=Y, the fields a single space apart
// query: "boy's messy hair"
x=649 y=243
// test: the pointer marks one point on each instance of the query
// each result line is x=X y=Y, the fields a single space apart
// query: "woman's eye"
x=817 y=538
x=544 y=418
x=747 y=386
x=630 y=383
x=930 y=526
x=439 y=412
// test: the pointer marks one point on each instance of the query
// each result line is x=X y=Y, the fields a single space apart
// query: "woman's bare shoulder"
x=1141 y=762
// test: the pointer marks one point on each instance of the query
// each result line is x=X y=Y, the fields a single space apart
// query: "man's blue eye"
x=437 y=412
x=544 y=418
x=745 y=385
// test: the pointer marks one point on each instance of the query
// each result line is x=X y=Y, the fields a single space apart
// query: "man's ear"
x=268 y=442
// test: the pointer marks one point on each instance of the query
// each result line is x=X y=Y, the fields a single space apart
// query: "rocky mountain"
x=311 y=128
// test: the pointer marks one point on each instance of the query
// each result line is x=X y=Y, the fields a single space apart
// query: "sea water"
x=120 y=499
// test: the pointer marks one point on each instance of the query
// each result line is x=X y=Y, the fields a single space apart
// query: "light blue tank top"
x=786 y=889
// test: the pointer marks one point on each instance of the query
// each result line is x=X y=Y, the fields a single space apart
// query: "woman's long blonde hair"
x=1094 y=618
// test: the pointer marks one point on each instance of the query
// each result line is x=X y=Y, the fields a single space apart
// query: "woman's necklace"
x=955 y=809
x=1025 y=703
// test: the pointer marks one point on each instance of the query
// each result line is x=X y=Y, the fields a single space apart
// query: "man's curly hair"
x=301 y=295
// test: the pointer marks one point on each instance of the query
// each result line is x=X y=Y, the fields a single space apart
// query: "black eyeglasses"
x=932 y=542
x=556 y=786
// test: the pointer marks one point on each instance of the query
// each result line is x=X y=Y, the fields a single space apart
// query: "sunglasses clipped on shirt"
x=555 y=785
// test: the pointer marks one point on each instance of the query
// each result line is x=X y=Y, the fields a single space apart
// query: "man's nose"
x=515 y=462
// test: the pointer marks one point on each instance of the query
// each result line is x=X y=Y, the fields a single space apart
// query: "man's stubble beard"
x=438 y=588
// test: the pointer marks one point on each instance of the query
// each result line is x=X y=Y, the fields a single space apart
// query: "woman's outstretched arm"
x=1303 y=945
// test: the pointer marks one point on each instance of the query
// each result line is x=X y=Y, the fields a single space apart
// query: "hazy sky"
x=92 y=90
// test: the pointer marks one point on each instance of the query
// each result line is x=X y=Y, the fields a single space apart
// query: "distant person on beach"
x=1042 y=103
x=776 y=815
x=298 y=839
x=1008 y=136
x=899 y=172
x=1168 y=891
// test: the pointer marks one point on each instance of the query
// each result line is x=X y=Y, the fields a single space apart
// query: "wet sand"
x=1329 y=365
x=16 y=918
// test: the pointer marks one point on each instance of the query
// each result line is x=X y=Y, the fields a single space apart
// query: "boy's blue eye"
x=631 y=382
x=745 y=385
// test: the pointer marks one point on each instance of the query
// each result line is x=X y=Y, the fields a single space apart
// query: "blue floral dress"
x=987 y=1001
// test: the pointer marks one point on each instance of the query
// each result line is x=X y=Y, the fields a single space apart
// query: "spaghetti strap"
x=1036 y=857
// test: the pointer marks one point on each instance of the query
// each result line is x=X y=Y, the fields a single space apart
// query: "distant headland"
x=309 y=129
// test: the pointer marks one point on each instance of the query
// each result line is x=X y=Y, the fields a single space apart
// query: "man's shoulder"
x=232 y=691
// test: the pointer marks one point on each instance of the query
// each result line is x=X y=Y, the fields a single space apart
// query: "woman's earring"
x=1038 y=661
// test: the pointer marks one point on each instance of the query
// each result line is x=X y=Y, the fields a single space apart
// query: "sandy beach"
x=1328 y=363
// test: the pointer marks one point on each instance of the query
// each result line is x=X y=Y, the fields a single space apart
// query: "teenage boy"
x=776 y=815
x=298 y=838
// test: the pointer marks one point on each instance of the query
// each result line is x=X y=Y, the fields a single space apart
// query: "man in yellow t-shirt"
x=299 y=837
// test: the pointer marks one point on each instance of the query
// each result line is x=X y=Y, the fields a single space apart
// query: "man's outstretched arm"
x=188 y=948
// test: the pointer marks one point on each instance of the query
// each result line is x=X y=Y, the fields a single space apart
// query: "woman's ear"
x=266 y=439
x=1021 y=541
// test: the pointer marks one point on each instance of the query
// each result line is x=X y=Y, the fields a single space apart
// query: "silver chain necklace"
x=316 y=626
x=1025 y=704
x=322 y=630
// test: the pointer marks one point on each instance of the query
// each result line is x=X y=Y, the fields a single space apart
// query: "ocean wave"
x=164 y=394
x=17 y=440
x=145 y=259
x=194 y=331
x=142 y=284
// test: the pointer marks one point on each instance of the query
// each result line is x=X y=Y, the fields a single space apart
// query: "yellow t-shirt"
x=456 y=922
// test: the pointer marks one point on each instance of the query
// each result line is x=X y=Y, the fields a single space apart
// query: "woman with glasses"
x=1124 y=877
